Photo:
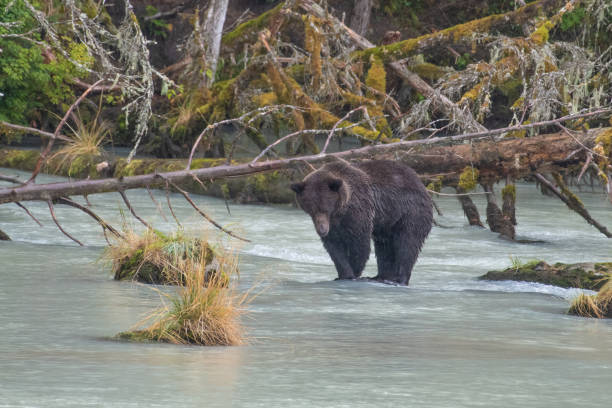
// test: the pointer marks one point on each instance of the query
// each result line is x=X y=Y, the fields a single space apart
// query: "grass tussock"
x=86 y=139
x=205 y=310
x=152 y=257
x=599 y=305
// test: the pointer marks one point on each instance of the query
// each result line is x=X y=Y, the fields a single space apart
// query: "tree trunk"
x=361 y=16
x=495 y=218
x=469 y=208
x=509 y=202
x=213 y=32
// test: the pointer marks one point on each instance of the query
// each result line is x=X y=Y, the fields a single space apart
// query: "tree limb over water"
x=74 y=188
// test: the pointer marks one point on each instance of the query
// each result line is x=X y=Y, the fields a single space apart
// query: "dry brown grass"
x=205 y=309
x=599 y=305
x=86 y=139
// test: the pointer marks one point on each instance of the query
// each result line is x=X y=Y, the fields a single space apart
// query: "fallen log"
x=515 y=158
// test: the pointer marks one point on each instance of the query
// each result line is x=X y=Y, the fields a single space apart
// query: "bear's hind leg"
x=385 y=258
x=408 y=239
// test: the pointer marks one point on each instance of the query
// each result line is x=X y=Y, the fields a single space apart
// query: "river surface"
x=447 y=340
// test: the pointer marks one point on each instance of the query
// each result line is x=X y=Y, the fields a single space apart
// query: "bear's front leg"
x=359 y=253
x=339 y=254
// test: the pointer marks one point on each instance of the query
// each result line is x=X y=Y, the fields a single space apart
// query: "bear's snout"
x=321 y=222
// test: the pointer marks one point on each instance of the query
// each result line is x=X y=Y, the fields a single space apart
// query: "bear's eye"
x=334 y=185
x=298 y=187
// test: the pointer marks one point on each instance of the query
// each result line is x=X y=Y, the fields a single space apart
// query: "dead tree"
x=212 y=33
x=360 y=19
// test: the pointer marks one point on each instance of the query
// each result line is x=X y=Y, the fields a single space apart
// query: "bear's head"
x=321 y=194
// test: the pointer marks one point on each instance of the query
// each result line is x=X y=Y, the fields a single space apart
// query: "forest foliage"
x=484 y=65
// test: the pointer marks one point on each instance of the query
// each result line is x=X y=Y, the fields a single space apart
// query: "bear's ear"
x=298 y=187
x=335 y=184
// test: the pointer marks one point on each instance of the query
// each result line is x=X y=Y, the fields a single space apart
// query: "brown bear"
x=381 y=200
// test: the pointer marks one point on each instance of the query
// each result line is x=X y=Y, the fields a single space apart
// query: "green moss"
x=253 y=26
x=435 y=185
x=468 y=179
x=354 y=100
x=81 y=166
x=472 y=94
x=312 y=43
x=146 y=258
x=572 y=198
x=429 y=71
x=540 y=36
x=605 y=267
x=376 y=77
x=604 y=139
x=509 y=189
x=582 y=275
x=145 y=166
x=19 y=159
x=511 y=89
x=297 y=72
x=223 y=106
x=456 y=33
x=269 y=187
x=265 y=99
x=203 y=163
x=137 y=336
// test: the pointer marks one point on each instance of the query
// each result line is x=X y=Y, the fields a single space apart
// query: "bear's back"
x=391 y=174
x=397 y=192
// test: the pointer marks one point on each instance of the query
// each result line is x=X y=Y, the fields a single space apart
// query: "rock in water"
x=579 y=275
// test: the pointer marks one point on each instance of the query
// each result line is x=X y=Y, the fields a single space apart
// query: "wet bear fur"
x=382 y=200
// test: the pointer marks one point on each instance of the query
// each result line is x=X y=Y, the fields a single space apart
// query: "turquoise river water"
x=447 y=340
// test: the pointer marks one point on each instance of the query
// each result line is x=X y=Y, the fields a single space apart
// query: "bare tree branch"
x=27 y=129
x=10 y=179
x=105 y=225
x=251 y=115
x=129 y=206
x=573 y=205
x=202 y=213
x=162 y=14
x=333 y=130
x=170 y=204
x=50 y=203
x=157 y=204
x=28 y=212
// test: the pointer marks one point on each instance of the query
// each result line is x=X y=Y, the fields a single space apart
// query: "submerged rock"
x=586 y=275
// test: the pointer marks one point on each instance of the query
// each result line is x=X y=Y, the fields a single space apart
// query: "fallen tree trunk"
x=516 y=158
